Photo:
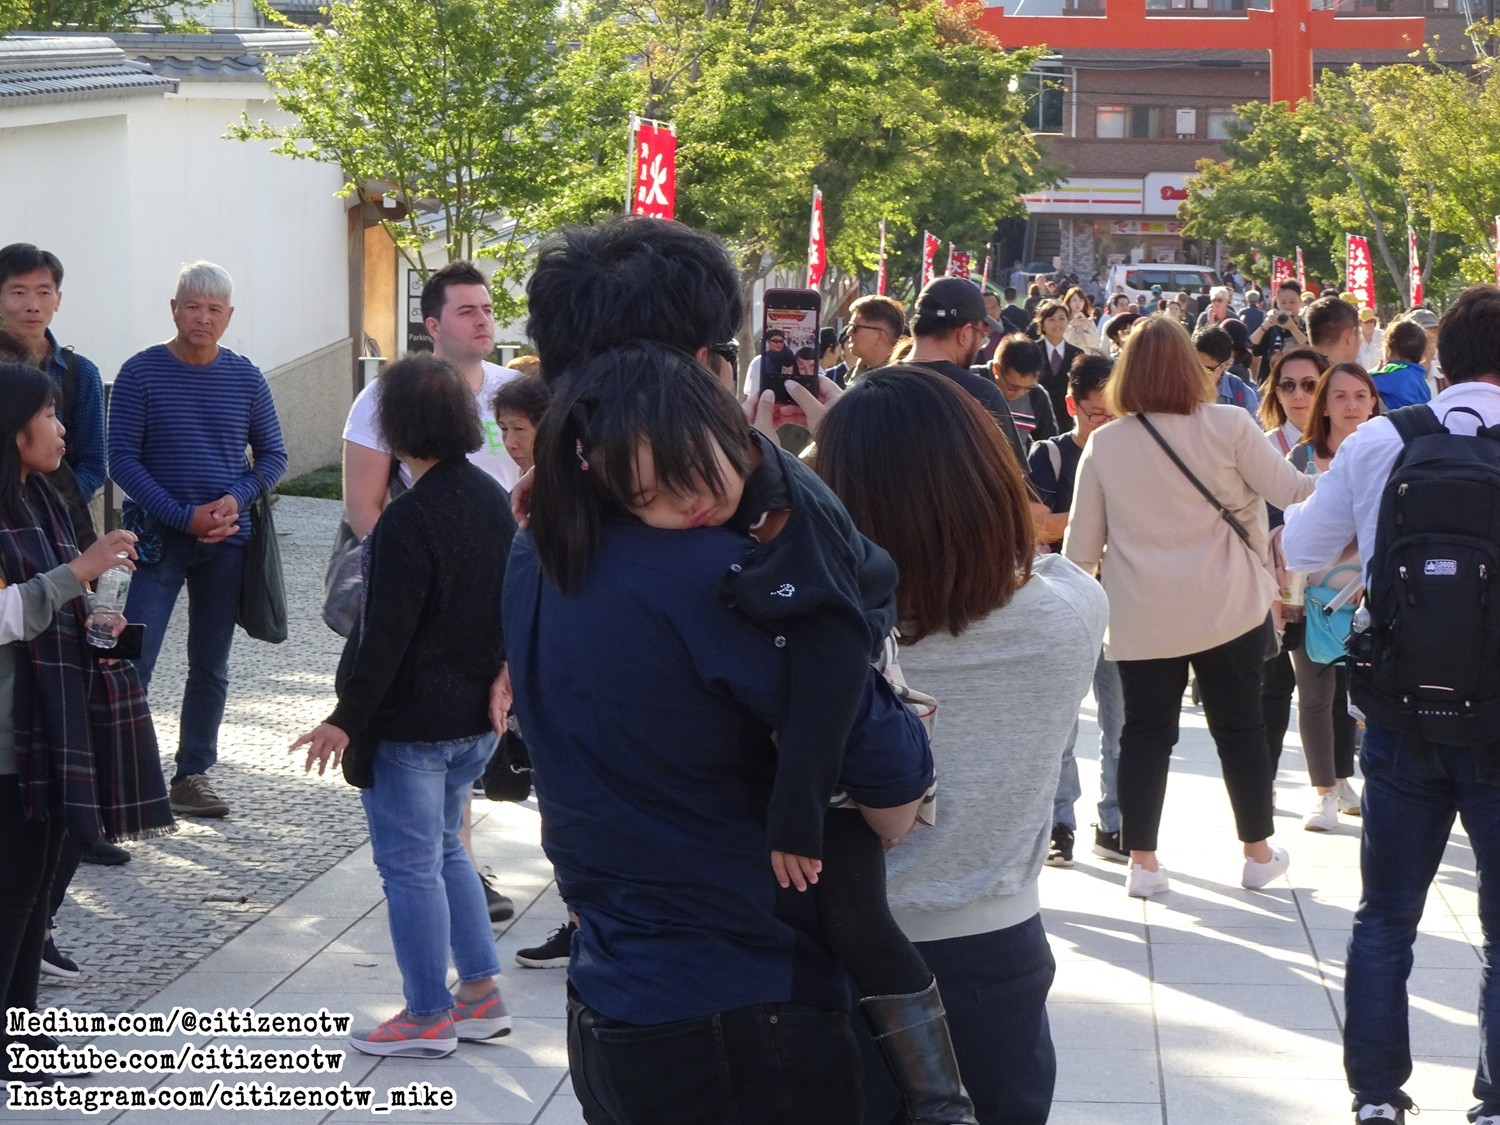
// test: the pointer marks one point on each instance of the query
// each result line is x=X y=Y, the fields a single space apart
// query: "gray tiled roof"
x=221 y=56
x=36 y=70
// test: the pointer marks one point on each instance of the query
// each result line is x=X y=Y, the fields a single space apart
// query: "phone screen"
x=789 y=340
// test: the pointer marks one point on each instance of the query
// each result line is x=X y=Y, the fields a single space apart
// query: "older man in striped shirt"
x=180 y=418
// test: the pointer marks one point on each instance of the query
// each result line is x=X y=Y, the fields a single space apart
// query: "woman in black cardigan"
x=413 y=726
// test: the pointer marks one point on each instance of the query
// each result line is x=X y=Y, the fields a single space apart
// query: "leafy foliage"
x=432 y=105
x=900 y=111
x=96 y=15
x=1373 y=151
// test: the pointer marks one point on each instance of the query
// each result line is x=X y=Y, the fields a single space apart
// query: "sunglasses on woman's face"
x=1289 y=386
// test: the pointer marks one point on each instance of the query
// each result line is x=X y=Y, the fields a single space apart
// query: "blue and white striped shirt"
x=178 y=432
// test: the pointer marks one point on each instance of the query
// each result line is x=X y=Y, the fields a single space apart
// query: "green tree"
x=432 y=106
x=896 y=110
x=97 y=15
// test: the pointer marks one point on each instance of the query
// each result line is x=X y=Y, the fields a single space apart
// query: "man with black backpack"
x=1420 y=490
x=30 y=294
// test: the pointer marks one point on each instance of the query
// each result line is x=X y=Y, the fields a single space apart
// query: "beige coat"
x=1179 y=579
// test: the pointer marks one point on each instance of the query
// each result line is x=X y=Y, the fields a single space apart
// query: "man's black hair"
x=1328 y=318
x=435 y=292
x=1017 y=353
x=1010 y=293
x=1088 y=374
x=626 y=280
x=426 y=409
x=1469 y=335
x=1406 y=340
x=22 y=257
x=1214 y=342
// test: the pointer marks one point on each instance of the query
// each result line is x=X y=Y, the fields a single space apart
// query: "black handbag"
x=507 y=776
x=263 y=590
x=343 y=580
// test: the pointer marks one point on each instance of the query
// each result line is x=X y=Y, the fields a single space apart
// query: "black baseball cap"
x=954 y=301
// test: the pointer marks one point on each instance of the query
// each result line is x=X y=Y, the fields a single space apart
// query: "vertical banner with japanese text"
x=817 y=248
x=1282 y=269
x=1413 y=268
x=1301 y=270
x=653 y=169
x=930 y=247
x=960 y=263
x=1359 y=278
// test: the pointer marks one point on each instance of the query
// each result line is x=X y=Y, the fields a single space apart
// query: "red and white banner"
x=984 y=275
x=653 y=169
x=960 y=263
x=817 y=249
x=1359 y=277
x=880 y=277
x=1413 y=268
x=1301 y=270
x=1282 y=269
x=930 y=247
x=1497 y=249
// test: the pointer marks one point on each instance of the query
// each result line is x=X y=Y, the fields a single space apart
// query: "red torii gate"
x=1291 y=32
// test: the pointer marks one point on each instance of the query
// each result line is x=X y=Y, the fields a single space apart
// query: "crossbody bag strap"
x=1228 y=516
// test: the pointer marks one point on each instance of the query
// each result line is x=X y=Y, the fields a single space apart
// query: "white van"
x=1137 y=278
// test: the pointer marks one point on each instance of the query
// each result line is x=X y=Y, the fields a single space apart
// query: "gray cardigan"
x=41 y=597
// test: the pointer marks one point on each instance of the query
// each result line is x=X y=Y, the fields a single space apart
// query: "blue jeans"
x=994 y=987
x=1109 y=698
x=213 y=573
x=432 y=892
x=1410 y=797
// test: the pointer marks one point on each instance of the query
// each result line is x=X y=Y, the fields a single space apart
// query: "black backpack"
x=1428 y=663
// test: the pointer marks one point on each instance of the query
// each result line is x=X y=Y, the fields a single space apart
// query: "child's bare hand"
x=795 y=870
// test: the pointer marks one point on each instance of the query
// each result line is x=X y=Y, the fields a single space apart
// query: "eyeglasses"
x=1098 y=417
x=1289 y=386
x=1213 y=368
x=728 y=351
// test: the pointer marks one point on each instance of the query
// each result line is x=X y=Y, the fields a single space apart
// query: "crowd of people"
x=716 y=628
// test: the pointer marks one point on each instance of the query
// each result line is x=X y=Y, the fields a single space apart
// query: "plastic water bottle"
x=107 y=606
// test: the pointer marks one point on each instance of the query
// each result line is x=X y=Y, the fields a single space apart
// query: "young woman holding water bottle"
x=1345 y=398
x=77 y=749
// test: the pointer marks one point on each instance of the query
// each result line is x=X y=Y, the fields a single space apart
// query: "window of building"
x=1110 y=121
x=1043 y=90
x=1219 y=121
x=1145 y=121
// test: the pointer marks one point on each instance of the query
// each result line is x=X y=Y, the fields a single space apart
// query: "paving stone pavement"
x=134 y=929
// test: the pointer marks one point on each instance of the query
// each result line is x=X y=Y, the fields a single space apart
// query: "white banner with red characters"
x=1282 y=269
x=959 y=263
x=817 y=248
x=984 y=276
x=880 y=277
x=1413 y=268
x=1359 y=277
x=1301 y=270
x=653 y=169
x=930 y=246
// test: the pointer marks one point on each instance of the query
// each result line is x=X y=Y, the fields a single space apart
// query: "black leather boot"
x=912 y=1033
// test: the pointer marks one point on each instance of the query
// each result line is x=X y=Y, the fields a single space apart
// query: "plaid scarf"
x=85 y=744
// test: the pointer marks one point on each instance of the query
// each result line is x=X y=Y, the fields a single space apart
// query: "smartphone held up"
x=789 y=340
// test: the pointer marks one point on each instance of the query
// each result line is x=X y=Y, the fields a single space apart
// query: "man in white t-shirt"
x=460 y=318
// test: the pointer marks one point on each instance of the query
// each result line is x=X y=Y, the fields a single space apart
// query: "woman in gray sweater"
x=1007 y=643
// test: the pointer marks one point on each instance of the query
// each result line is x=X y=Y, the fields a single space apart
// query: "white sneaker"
x=1383 y=1112
x=1257 y=875
x=1140 y=883
x=1324 y=815
x=1488 y=1119
x=1348 y=801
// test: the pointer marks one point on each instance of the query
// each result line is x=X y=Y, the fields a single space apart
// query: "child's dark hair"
x=602 y=411
x=25 y=391
x=1088 y=374
x=527 y=396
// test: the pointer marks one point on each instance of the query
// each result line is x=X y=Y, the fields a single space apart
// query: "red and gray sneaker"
x=485 y=1018
x=403 y=1036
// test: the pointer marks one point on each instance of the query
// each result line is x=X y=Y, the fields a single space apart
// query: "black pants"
x=1276 y=704
x=854 y=915
x=28 y=857
x=769 y=1064
x=1229 y=683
